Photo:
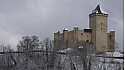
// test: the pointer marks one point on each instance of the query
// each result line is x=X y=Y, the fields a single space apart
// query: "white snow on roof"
x=103 y=10
x=96 y=11
x=99 y=10
x=65 y=28
x=75 y=26
x=112 y=30
x=80 y=46
x=87 y=28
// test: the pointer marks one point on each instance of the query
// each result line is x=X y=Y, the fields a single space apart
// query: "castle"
x=96 y=34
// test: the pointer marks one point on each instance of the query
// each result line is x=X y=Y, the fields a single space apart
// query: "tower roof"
x=99 y=10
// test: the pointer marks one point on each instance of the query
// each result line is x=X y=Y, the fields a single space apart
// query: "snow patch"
x=80 y=46
x=76 y=26
x=87 y=28
x=66 y=50
x=112 y=30
x=114 y=54
x=65 y=28
x=103 y=10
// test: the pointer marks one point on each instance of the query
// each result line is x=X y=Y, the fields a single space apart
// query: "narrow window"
x=87 y=36
x=101 y=28
x=110 y=36
x=81 y=33
x=75 y=31
x=87 y=41
x=101 y=23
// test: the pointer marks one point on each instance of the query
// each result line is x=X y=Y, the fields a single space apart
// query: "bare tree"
x=50 y=54
x=85 y=54
x=7 y=60
x=28 y=43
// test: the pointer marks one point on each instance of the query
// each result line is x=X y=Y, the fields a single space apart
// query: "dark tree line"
x=82 y=59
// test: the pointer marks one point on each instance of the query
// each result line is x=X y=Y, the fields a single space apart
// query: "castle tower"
x=56 y=39
x=98 y=24
x=75 y=36
x=111 y=41
x=65 y=38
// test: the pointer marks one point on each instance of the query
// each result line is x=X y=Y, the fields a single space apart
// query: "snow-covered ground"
x=38 y=61
x=114 y=54
x=97 y=63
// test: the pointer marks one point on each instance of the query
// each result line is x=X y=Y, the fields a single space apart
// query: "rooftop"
x=99 y=10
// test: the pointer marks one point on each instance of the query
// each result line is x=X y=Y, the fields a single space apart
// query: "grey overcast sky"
x=44 y=17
